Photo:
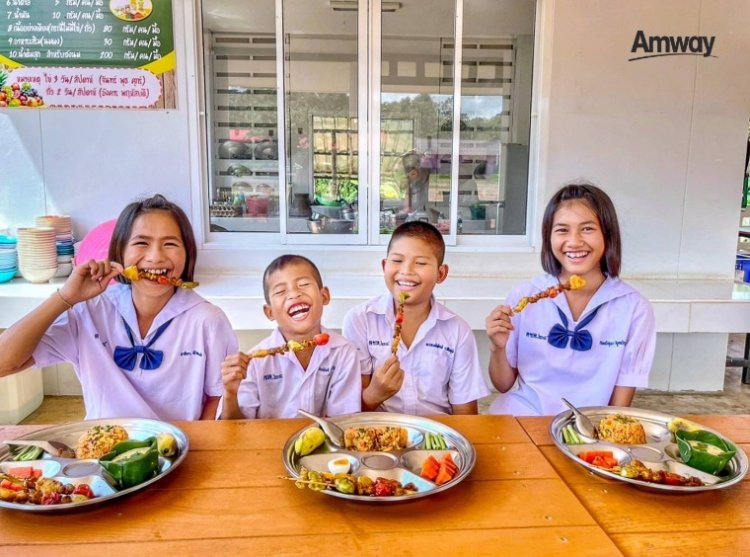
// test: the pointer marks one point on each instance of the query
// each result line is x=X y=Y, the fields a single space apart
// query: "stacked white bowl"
x=63 y=226
x=8 y=258
x=37 y=254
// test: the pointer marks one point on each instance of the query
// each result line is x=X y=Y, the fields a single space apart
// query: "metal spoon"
x=334 y=432
x=583 y=424
x=55 y=448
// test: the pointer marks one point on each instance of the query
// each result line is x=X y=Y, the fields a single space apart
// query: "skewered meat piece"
x=293 y=345
x=402 y=297
x=132 y=273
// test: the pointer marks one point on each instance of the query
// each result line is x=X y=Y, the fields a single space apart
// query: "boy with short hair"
x=436 y=369
x=323 y=380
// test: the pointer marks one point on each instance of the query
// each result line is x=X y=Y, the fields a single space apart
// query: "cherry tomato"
x=321 y=339
x=83 y=489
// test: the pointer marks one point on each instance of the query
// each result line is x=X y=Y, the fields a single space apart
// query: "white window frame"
x=369 y=236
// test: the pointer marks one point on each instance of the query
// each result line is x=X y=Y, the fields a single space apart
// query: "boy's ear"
x=326 y=295
x=382 y=263
x=442 y=273
x=268 y=312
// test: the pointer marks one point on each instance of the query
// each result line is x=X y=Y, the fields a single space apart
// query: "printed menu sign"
x=87 y=54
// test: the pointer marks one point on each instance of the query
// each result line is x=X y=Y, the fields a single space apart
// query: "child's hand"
x=387 y=380
x=233 y=371
x=499 y=326
x=89 y=280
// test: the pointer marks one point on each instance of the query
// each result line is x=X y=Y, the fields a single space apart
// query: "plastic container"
x=20 y=394
x=742 y=265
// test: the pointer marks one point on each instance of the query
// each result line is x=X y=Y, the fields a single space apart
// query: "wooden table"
x=654 y=524
x=226 y=499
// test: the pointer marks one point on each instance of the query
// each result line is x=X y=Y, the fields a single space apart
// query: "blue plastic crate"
x=743 y=264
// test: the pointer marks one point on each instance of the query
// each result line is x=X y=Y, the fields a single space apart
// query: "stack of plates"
x=37 y=253
x=63 y=241
x=8 y=258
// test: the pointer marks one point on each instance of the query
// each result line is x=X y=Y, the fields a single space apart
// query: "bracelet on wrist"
x=64 y=301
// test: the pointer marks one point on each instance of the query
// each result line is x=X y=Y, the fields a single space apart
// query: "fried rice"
x=381 y=438
x=621 y=429
x=99 y=440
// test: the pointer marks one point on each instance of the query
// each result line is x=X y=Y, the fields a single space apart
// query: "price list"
x=86 y=52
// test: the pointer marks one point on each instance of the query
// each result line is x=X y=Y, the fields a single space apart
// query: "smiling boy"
x=323 y=380
x=436 y=369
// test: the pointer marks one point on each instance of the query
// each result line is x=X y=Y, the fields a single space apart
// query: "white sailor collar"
x=120 y=295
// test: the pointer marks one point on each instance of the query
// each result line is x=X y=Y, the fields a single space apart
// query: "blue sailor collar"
x=120 y=296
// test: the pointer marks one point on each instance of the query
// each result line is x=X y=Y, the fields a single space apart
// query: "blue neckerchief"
x=579 y=339
x=125 y=358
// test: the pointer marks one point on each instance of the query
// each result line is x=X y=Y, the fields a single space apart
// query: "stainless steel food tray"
x=71 y=470
x=659 y=452
x=403 y=465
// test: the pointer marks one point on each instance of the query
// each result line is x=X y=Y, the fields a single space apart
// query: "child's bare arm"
x=382 y=384
x=233 y=371
x=209 y=408
x=622 y=396
x=466 y=408
x=499 y=327
x=18 y=343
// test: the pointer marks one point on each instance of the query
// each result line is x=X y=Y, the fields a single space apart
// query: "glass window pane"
x=495 y=116
x=416 y=110
x=241 y=92
x=321 y=120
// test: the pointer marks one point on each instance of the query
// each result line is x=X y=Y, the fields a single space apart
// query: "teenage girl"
x=592 y=346
x=140 y=349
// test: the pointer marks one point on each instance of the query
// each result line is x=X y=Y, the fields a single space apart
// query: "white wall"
x=666 y=136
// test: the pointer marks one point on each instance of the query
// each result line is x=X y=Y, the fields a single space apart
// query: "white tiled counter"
x=693 y=317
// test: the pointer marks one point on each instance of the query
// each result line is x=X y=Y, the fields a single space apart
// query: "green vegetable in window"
x=132 y=462
x=704 y=450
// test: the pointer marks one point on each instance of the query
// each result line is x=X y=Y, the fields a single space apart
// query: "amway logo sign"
x=668 y=45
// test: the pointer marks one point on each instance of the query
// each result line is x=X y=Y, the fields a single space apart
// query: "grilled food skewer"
x=132 y=273
x=574 y=283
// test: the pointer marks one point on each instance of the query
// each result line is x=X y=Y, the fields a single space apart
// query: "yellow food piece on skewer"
x=132 y=273
x=574 y=283
x=292 y=345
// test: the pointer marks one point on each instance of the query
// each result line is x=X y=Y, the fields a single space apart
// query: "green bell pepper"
x=704 y=450
x=132 y=462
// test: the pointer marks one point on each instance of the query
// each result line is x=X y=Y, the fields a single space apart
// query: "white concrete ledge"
x=681 y=306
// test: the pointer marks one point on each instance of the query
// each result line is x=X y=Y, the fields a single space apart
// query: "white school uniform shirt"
x=441 y=367
x=194 y=346
x=278 y=386
x=623 y=339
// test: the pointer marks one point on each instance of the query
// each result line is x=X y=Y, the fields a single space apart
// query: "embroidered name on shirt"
x=378 y=343
x=535 y=335
x=191 y=353
x=615 y=343
x=272 y=376
x=440 y=347
x=327 y=369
